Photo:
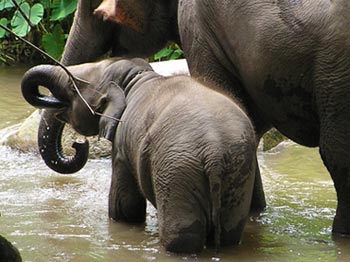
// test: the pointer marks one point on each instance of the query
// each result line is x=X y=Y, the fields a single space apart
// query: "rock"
x=23 y=137
x=8 y=252
x=98 y=147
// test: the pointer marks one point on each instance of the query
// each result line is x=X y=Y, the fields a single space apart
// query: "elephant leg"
x=126 y=203
x=237 y=191
x=334 y=150
x=182 y=206
x=258 y=199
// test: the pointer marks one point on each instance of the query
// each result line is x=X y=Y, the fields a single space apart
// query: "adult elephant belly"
x=279 y=78
x=287 y=103
x=267 y=64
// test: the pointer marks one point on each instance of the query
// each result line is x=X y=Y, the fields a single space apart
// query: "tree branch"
x=71 y=76
x=22 y=13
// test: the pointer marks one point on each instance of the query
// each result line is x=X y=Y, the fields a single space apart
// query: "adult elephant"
x=286 y=61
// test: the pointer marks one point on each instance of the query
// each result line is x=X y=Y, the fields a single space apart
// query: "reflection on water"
x=64 y=218
x=53 y=217
x=13 y=107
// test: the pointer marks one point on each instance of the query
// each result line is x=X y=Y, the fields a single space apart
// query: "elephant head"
x=90 y=38
x=70 y=105
x=142 y=28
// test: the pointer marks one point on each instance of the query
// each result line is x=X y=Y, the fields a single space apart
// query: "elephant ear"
x=131 y=13
x=112 y=106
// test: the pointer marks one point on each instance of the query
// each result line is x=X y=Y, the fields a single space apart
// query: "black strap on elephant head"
x=132 y=79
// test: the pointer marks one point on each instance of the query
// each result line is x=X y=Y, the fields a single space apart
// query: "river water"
x=54 y=217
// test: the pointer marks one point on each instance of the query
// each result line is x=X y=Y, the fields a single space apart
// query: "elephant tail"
x=215 y=195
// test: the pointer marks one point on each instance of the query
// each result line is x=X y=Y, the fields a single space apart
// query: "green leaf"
x=4 y=22
x=164 y=53
x=20 y=25
x=36 y=13
x=176 y=54
x=54 y=42
x=62 y=8
x=3 y=59
x=46 y=3
x=4 y=4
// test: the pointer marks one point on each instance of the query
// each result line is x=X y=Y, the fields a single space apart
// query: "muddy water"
x=13 y=107
x=53 y=217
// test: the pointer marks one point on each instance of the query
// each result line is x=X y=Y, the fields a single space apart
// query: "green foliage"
x=62 y=8
x=19 y=24
x=4 y=22
x=172 y=52
x=50 y=22
x=54 y=42
x=5 y=4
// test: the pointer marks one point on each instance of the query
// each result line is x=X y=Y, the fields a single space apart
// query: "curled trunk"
x=50 y=146
x=50 y=129
x=88 y=32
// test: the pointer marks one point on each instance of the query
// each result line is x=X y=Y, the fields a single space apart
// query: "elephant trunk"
x=50 y=146
x=40 y=75
x=50 y=129
x=89 y=37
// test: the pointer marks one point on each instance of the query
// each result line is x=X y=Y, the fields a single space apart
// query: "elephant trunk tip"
x=76 y=162
x=50 y=146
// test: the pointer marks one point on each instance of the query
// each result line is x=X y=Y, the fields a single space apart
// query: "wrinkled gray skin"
x=119 y=40
x=292 y=61
x=189 y=150
x=286 y=61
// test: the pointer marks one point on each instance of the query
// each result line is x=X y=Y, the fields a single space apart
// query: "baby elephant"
x=190 y=150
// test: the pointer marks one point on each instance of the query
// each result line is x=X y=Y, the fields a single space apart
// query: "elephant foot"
x=131 y=210
x=341 y=227
x=233 y=237
x=188 y=241
x=130 y=215
x=258 y=203
x=255 y=210
x=229 y=238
